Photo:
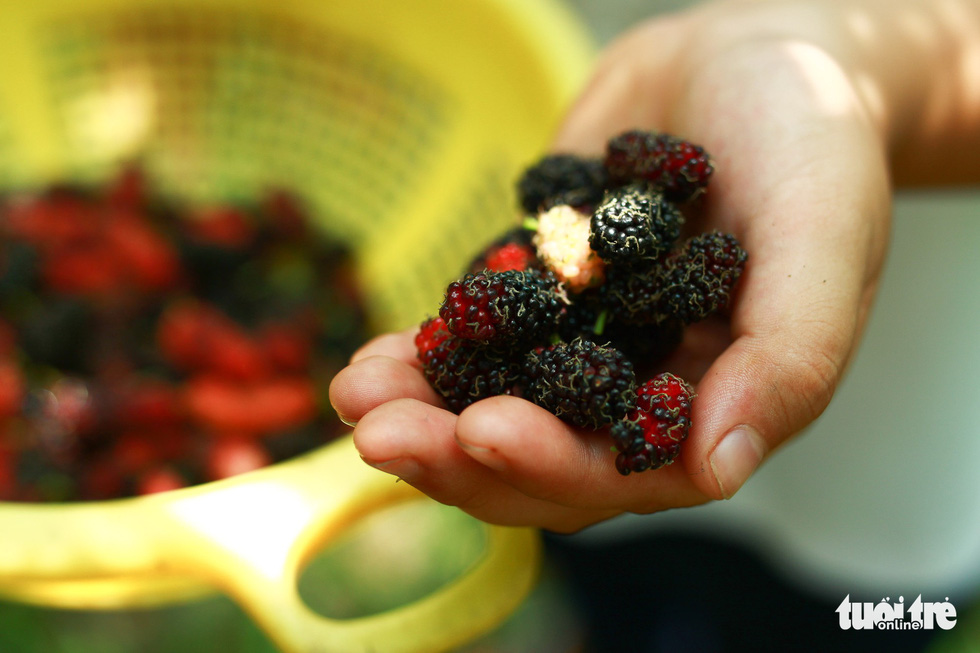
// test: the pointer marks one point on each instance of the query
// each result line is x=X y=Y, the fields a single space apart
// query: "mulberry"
x=466 y=371
x=562 y=244
x=634 y=296
x=700 y=278
x=651 y=435
x=644 y=344
x=582 y=383
x=563 y=179
x=513 y=307
x=511 y=251
x=633 y=226
x=673 y=165
x=431 y=334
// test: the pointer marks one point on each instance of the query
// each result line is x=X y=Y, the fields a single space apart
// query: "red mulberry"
x=513 y=307
x=677 y=167
x=651 y=435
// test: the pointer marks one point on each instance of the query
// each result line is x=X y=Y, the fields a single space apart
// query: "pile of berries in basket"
x=593 y=285
x=147 y=345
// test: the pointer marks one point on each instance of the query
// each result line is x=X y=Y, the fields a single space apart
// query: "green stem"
x=600 y=322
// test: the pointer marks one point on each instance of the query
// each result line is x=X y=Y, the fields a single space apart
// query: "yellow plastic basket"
x=403 y=125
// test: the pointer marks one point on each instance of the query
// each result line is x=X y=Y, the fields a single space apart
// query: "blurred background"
x=880 y=498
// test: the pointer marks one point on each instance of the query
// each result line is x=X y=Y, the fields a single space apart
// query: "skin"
x=813 y=112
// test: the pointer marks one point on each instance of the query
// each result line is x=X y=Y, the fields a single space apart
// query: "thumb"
x=813 y=268
x=809 y=197
x=752 y=400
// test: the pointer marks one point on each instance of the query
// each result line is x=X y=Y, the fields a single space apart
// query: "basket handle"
x=253 y=537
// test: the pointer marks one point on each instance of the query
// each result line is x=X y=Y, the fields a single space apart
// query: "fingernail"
x=736 y=458
x=346 y=420
x=489 y=457
x=404 y=468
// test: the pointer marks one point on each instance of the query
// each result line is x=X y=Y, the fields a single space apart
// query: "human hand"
x=801 y=179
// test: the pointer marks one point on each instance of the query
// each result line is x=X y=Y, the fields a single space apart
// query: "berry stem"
x=600 y=322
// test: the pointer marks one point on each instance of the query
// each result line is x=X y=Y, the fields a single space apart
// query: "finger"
x=538 y=454
x=809 y=197
x=399 y=345
x=369 y=382
x=417 y=443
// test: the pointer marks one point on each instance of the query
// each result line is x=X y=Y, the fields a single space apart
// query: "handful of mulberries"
x=563 y=309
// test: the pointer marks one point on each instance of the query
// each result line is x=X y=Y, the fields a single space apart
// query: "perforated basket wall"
x=402 y=123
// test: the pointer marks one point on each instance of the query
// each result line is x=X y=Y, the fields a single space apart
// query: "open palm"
x=801 y=179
